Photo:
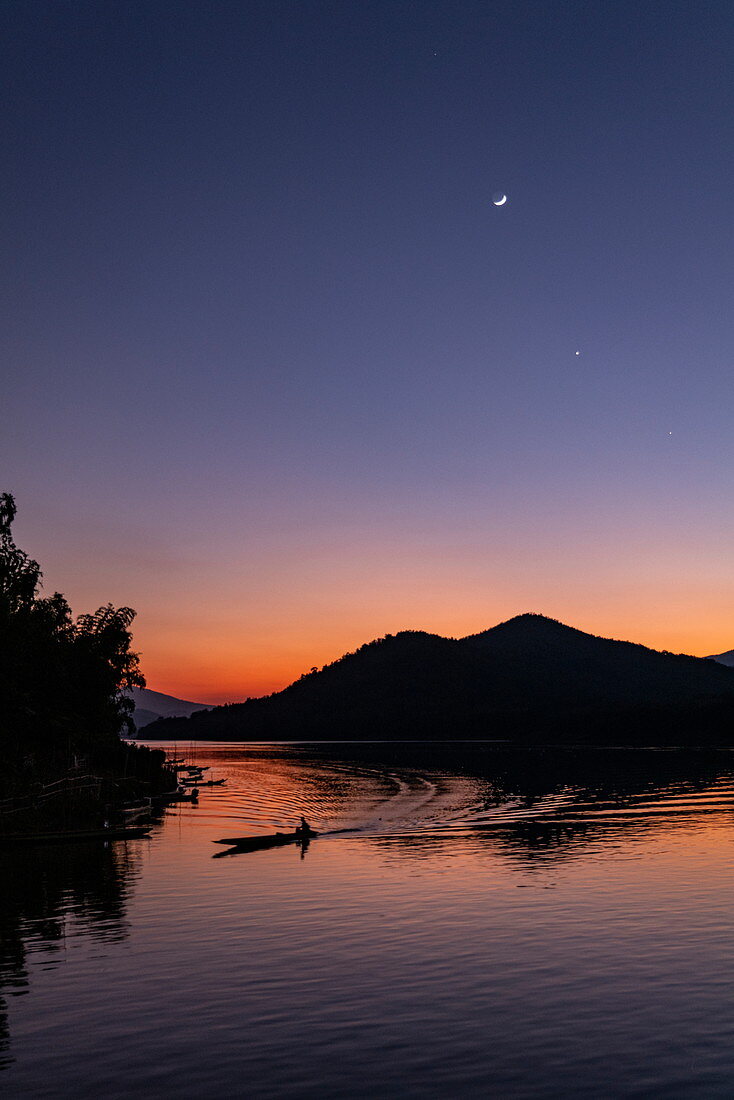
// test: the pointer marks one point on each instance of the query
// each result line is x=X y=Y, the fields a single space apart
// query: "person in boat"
x=304 y=829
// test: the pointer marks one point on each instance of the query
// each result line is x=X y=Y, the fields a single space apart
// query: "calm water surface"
x=482 y=922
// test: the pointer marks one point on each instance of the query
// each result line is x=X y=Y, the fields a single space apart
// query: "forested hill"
x=530 y=678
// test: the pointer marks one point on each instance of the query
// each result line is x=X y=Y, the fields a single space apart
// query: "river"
x=473 y=921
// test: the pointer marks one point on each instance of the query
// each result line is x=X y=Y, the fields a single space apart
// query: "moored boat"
x=139 y=808
x=179 y=795
x=121 y=833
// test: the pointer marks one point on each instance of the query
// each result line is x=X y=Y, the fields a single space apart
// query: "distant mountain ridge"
x=723 y=658
x=151 y=705
x=530 y=678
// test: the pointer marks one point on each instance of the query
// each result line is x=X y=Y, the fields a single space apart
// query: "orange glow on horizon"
x=221 y=618
x=233 y=668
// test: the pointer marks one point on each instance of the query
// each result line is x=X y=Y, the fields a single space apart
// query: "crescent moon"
x=500 y=202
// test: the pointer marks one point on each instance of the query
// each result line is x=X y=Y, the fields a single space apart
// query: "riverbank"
x=86 y=793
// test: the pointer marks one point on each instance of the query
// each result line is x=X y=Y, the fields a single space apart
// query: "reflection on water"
x=474 y=920
x=51 y=894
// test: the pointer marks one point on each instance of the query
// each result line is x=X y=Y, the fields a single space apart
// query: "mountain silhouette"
x=723 y=658
x=531 y=678
x=151 y=705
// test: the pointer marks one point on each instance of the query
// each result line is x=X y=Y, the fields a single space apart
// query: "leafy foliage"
x=62 y=681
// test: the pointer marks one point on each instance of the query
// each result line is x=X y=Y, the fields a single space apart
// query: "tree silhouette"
x=62 y=682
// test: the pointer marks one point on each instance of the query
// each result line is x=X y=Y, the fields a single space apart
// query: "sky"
x=280 y=376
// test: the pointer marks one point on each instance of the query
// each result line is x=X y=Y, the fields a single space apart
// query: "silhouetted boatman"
x=304 y=829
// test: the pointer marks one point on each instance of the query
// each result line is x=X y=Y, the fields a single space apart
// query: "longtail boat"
x=258 y=843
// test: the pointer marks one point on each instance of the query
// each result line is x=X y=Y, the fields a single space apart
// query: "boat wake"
x=268 y=788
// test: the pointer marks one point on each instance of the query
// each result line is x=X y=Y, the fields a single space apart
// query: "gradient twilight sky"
x=280 y=376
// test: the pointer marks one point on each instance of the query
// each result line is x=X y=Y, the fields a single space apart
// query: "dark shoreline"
x=50 y=799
